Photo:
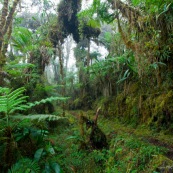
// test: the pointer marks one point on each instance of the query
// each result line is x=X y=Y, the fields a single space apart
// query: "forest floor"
x=142 y=133
x=113 y=126
x=131 y=149
x=156 y=139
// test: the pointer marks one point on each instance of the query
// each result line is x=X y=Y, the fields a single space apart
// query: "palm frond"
x=22 y=39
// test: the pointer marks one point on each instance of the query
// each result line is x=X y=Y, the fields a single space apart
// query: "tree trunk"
x=159 y=77
x=88 y=53
x=68 y=47
x=10 y=17
x=59 y=47
x=5 y=45
x=3 y=20
x=5 y=25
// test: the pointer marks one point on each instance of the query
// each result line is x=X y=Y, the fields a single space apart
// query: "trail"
x=131 y=148
x=145 y=135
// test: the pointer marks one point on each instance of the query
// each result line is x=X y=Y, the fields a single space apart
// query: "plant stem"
x=7 y=119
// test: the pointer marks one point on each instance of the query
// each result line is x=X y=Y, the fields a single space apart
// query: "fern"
x=19 y=66
x=24 y=166
x=11 y=101
x=39 y=117
x=50 y=99
x=4 y=90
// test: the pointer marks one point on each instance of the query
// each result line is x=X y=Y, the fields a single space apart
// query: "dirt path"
x=159 y=143
x=145 y=135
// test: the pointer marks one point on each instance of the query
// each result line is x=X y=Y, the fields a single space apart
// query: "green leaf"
x=125 y=76
x=47 y=168
x=135 y=2
x=56 y=167
x=118 y=150
x=93 y=23
x=20 y=66
x=38 y=154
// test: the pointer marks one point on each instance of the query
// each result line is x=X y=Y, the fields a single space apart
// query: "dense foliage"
x=41 y=129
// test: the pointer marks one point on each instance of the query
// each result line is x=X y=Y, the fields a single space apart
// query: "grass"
x=129 y=151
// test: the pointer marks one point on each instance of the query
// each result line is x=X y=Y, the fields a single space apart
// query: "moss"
x=161 y=110
x=151 y=106
x=134 y=87
x=107 y=105
x=77 y=103
x=158 y=161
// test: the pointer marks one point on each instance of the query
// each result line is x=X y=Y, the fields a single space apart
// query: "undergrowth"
x=127 y=153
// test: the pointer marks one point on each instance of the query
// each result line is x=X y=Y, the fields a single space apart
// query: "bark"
x=10 y=17
x=88 y=53
x=5 y=45
x=159 y=77
x=5 y=25
x=3 y=19
x=87 y=75
x=60 y=60
x=126 y=40
x=130 y=13
x=96 y=116
x=59 y=47
x=68 y=47
x=55 y=68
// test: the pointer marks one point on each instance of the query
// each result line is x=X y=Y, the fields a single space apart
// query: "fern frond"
x=11 y=101
x=24 y=166
x=16 y=104
x=20 y=66
x=3 y=104
x=4 y=90
x=50 y=99
x=16 y=93
x=15 y=100
x=39 y=117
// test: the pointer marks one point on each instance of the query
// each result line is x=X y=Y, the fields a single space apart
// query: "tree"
x=6 y=19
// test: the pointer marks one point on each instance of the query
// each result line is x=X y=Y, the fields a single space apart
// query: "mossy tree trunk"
x=61 y=62
x=88 y=54
x=87 y=74
x=5 y=32
x=68 y=49
x=159 y=77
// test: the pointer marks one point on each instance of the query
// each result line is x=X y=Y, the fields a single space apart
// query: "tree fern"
x=11 y=101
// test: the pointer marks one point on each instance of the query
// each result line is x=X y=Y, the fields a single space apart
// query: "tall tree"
x=6 y=19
